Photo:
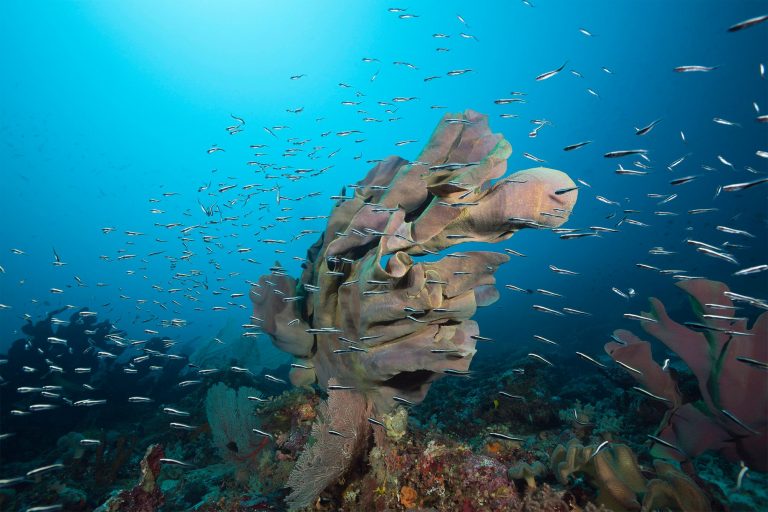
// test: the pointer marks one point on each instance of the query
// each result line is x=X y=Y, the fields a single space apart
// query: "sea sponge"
x=370 y=314
x=672 y=489
x=615 y=473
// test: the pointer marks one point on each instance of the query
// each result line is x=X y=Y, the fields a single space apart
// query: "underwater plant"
x=724 y=355
x=367 y=312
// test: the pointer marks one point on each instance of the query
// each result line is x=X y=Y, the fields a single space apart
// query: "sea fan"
x=339 y=435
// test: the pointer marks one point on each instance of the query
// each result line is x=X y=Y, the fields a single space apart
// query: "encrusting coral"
x=725 y=357
x=366 y=312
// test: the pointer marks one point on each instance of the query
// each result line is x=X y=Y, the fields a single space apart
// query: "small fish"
x=515 y=397
x=537 y=356
x=562 y=191
x=505 y=437
x=591 y=360
x=174 y=412
x=732 y=231
x=374 y=421
x=262 y=433
x=747 y=23
x=724 y=161
x=545 y=309
x=545 y=340
x=666 y=443
x=182 y=426
x=563 y=271
x=740 y=423
x=680 y=181
x=402 y=400
x=717 y=254
x=753 y=362
x=627 y=367
x=139 y=400
x=735 y=187
x=569 y=236
x=577 y=145
x=451 y=371
x=332 y=387
x=642 y=318
x=620 y=293
x=550 y=74
x=89 y=403
x=724 y=122
x=629 y=172
x=740 y=477
x=531 y=157
x=607 y=201
x=576 y=312
x=647 y=129
x=44 y=469
x=648 y=393
x=751 y=270
x=677 y=162
x=175 y=462
x=625 y=152
x=690 y=69
x=272 y=378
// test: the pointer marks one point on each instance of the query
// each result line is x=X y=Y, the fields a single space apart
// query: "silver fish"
x=690 y=69
x=747 y=23
x=550 y=74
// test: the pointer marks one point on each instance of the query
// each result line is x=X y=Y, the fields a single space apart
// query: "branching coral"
x=725 y=357
x=366 y=311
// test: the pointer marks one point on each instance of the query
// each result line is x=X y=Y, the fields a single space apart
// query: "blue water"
x=105 y=105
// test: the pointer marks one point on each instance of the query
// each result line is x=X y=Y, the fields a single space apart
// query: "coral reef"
x=724 y=355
